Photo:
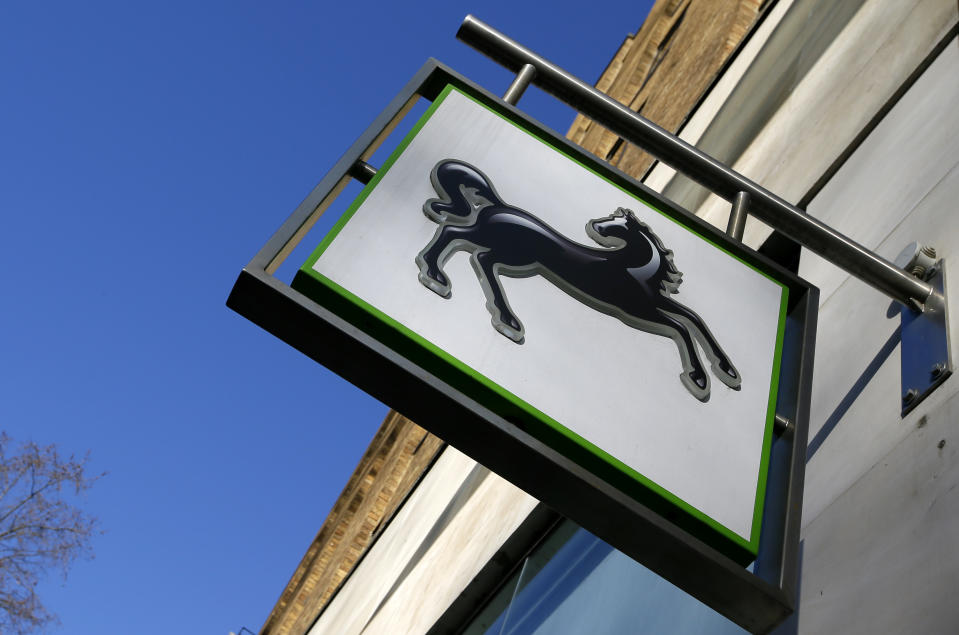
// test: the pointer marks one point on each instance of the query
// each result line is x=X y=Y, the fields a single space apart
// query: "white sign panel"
x=628 y=335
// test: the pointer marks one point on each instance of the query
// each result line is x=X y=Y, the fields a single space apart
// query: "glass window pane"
x=575 y=583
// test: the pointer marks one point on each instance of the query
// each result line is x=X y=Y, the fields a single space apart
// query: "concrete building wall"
x=450 y=527
x=819 y=117
x=881 y=510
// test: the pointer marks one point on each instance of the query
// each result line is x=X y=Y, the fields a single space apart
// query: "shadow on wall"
x=863 y=380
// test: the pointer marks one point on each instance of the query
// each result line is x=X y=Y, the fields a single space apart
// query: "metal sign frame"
x=757 y=601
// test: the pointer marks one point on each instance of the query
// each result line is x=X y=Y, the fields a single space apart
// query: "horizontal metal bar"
x=707 y=171
x=285 y=239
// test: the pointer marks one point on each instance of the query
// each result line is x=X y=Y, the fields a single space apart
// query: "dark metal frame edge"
x=757 y=602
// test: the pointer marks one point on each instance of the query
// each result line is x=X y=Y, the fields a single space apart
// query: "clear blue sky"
x=147 y=150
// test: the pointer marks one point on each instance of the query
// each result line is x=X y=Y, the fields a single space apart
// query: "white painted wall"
x=880 y=551
x=447 y=530
x=867 y=62
x=881 y=510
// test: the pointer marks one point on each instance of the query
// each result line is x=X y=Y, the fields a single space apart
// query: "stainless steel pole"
x=520 y=84
x=736 y=226
x=766 y=206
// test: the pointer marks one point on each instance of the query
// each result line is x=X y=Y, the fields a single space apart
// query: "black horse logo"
x=631 y=277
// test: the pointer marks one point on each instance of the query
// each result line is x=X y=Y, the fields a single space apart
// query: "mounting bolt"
x=938 y=370
x=918 y=260
x=910 y=396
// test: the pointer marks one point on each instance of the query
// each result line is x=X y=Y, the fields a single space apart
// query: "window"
x=575 y=583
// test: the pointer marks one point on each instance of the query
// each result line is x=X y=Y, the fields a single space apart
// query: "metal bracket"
x=757 y=600
x=747 y=196
x=926 y=357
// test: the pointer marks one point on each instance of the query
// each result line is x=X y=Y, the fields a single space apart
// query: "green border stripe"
x=505 y=403
x=770 y=422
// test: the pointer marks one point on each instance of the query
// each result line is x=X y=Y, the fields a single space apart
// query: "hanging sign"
x=603 y=327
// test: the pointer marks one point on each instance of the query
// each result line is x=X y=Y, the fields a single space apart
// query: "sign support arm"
x=709 y=172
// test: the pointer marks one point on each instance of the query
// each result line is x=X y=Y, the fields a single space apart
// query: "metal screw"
x=938 y=370
x=910 y=396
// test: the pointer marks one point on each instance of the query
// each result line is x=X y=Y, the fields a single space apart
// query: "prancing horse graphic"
x=631 y=277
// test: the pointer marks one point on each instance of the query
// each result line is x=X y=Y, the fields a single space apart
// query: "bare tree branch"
x=41 y=529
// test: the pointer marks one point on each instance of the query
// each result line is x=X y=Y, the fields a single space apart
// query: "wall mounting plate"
x=926 y=358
